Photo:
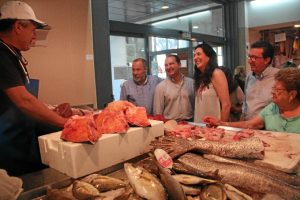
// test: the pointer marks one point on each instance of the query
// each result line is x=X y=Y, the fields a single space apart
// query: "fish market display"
x=145 y=184
x=247 y=148
x=239 y=176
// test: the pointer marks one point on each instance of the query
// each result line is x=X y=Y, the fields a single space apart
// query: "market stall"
x=277 y=155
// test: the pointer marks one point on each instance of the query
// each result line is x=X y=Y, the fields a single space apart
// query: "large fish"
x=247 y=148
x=175 y=191
x=144 y=184
x=276 y=174
x=239 y=176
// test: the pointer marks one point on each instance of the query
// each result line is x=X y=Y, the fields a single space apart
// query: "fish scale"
x=239 y=176
x=247 y=148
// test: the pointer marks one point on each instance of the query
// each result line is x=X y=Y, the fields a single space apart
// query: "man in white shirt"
x=174 y=97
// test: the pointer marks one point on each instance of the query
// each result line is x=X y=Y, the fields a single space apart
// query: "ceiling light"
x=164 y=7
x=164 y=21
x=195 y=27
x=297 y=25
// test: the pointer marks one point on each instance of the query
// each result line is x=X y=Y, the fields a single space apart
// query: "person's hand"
x=211 y=121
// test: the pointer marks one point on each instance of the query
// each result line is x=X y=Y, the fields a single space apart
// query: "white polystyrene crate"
x=80 y=159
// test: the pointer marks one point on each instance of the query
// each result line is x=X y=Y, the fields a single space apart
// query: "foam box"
x=80 y=159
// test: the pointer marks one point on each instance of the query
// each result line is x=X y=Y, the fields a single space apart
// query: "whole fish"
x=239 y=176
x=247 y=148
x=144 y=184
x=234 y=194
x=192 y=180
x=106 y=183
x=83 y=190
x=276 y=174
x=175 y=191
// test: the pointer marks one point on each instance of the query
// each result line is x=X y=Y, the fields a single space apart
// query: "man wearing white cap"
x=19 y=110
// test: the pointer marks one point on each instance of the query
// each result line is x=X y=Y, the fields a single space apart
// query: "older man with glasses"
x=259 y=82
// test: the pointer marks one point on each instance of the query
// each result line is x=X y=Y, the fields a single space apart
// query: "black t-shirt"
x=11 y=75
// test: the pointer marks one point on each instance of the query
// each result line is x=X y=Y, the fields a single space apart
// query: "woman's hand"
x=211 y=121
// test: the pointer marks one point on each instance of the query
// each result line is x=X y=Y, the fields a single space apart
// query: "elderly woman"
x=283 y=114
x=212 y=95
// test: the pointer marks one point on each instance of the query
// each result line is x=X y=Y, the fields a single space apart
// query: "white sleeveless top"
x=207 y=103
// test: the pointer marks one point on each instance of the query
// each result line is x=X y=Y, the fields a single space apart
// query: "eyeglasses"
x=254 y=58
x=277 y=90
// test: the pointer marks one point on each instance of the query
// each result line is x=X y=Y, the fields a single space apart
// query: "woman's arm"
x=255 y=123
x=220 y=84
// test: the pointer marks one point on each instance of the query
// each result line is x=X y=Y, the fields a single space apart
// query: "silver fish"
x=276 y=174
x=213 y=192
x=189 y=190
x=175 y=191
x=191 y=180
x=106 y=183
x=111 y=195
x=239 y=176
x=83 y=190
x=248 y=148
x=234 y=194
x=144 y=184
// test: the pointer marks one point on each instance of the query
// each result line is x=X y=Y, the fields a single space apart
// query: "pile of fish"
x=201 y=170
x=193 y=177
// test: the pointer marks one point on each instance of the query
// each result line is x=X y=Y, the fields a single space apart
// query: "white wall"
x=267 y=12
x=64 y=73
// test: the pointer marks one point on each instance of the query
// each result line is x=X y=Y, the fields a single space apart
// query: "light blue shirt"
x=140 y=95
x=258 y=92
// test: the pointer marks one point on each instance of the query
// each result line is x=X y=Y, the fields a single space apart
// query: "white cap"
x=20 y=10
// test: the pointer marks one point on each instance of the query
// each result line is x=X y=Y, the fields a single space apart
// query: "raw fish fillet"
x=80 y=129
x=137 y=116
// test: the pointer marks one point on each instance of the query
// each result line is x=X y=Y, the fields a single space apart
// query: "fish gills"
x=239 y=176
x=144 y=184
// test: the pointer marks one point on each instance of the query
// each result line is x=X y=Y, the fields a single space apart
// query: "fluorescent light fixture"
x=196 y=14
x=297 y=25
x=164 y=21
x=164 y=7
x=266 y=2
x=195 y=27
